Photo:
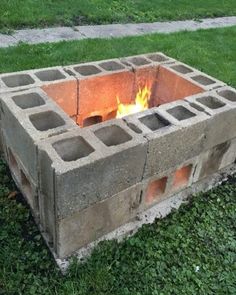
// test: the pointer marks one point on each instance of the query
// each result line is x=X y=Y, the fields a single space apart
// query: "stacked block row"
x=27 y=117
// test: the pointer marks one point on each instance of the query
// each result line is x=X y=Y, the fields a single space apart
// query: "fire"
x=140 y=104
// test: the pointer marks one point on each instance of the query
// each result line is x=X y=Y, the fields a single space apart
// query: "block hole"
x=50 y=75
x=139 y=61
x=112 y=135
x=181 y=176
x=87 y=70
x=196 y=106
x=211 y=102
x=92 y=120
x=154 y=122
x=46 y=120
x=18 y=80
x=182 y=69
x=26 y=187
x=13 y=164
x=133 y=127
x=228 y=94
x=72 y=149
x=111 y=66
x=157 y=57
x=155 y=190
x=203 y=80
x=30 y=100
x=181 y=113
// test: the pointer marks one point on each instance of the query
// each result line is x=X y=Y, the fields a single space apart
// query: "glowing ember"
x=141 y=103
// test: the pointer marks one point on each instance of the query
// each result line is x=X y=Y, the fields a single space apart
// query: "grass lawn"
x=192 y=251
x=32 y=13
x=212 y=51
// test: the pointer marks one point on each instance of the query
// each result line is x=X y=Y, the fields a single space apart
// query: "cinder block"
x=175 y=134
x=177 y=142
x=93 y=222
x=222 y=116
x=91 y=165
x=28 y=117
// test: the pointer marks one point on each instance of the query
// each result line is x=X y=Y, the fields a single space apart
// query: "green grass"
x=32 y=13
x=212 y=51
x=192 y=251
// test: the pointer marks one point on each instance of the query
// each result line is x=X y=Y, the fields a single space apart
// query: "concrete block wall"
x=27 y=117
x=82 y=183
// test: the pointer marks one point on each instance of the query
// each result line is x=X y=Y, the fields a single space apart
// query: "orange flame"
x=140 y=104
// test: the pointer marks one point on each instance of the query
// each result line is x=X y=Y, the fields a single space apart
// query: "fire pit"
x=98 y=149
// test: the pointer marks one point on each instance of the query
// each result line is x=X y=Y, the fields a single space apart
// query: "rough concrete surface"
x=34 y=36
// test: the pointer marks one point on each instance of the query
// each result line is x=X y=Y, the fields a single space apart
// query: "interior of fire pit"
x=108 y=89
